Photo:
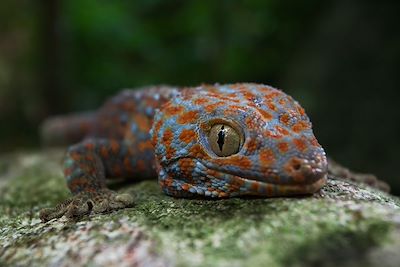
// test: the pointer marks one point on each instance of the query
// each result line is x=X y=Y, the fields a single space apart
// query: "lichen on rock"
x=345 y=224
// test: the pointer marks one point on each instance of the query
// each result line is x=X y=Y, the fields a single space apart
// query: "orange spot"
x=170 y=151
x=300 y=144
x=272 y=95
x=187 y=136
x=282 y=130
x=188 y=117
x=104 y=152
x=232 y=95
x=200 y=101
x=89 y=146
x=167 y=137
x=156 y=131
x=300 y=126
x=301 y=110
x=212 y=107
x=285 y=119
x=252 y=145
x=223 y=194
x=282 y=101
x=283 y=147
x=196 y=151
x=265 y=89
x=114 y=146
x=117 y=171
x=169 y=182
x=272 y=106
x=141 y=165
x=248 y=95
x=186 y=165
x=145 y=145
x=171 y=110
x=142 y=122
x=255 y=186
x=205 y=127
x=232 y=109
x=251 y=123
x=235 y=100
x=212 y=173
x=265 y=114
x=251 y=104
x=185 y=187
x=267 y=157
x=314 y=142
x=239 y=161
x=235 y=184
x=212 y=91
x=274 y=135
x=128 y=165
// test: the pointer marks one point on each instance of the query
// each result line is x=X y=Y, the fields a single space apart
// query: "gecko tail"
x=68 y=129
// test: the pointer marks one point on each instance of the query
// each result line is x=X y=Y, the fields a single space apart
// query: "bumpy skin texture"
x=165 y=131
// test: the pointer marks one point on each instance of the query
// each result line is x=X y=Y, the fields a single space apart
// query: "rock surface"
x=346 y=224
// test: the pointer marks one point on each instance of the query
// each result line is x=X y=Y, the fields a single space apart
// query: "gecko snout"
x=306 y=171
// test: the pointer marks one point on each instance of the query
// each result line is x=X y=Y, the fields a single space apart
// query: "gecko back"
x=127 y=115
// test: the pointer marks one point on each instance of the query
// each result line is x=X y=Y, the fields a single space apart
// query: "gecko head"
x=234 y=140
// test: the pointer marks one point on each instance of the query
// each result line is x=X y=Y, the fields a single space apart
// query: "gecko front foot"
x=85 y=203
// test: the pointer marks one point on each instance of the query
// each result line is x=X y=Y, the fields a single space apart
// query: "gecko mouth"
x=257 y=188
x=296 y=171
x=270 y=184
x=218 y=181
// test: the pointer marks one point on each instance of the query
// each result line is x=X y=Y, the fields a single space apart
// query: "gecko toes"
x=84 y=204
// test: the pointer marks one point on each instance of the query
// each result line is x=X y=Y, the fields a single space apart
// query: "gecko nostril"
x=302 y=170
x=296 y=166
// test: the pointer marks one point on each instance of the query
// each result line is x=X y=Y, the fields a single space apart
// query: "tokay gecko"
x=210 y=141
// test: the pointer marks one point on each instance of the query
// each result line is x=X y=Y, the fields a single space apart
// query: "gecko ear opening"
x=224 y=140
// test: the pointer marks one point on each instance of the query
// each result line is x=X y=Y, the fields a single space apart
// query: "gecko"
x=210 y=141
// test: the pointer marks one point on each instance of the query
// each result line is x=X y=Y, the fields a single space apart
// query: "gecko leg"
x=86 y=167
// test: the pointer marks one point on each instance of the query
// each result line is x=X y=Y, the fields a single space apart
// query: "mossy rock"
x=345 y=224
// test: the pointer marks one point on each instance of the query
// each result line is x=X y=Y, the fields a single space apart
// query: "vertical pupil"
x=221 y=138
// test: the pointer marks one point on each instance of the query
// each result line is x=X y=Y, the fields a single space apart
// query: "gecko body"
x=213 y=141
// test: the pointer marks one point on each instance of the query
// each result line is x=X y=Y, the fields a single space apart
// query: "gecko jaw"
x=228 y=183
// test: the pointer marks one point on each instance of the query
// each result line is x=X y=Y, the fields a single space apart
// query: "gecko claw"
x=85 y=203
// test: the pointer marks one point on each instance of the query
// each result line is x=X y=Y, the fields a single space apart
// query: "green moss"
x=340 y=247
x=34 y=189
x=340 y=227
x=282 y=231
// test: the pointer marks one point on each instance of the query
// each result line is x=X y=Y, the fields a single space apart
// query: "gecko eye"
x=224 y=140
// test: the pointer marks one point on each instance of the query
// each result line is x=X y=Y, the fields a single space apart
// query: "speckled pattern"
x=166 y=131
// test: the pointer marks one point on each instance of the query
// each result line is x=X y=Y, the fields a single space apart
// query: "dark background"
x=339 y=59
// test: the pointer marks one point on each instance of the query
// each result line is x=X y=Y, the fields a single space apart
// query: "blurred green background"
x=339 y=59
